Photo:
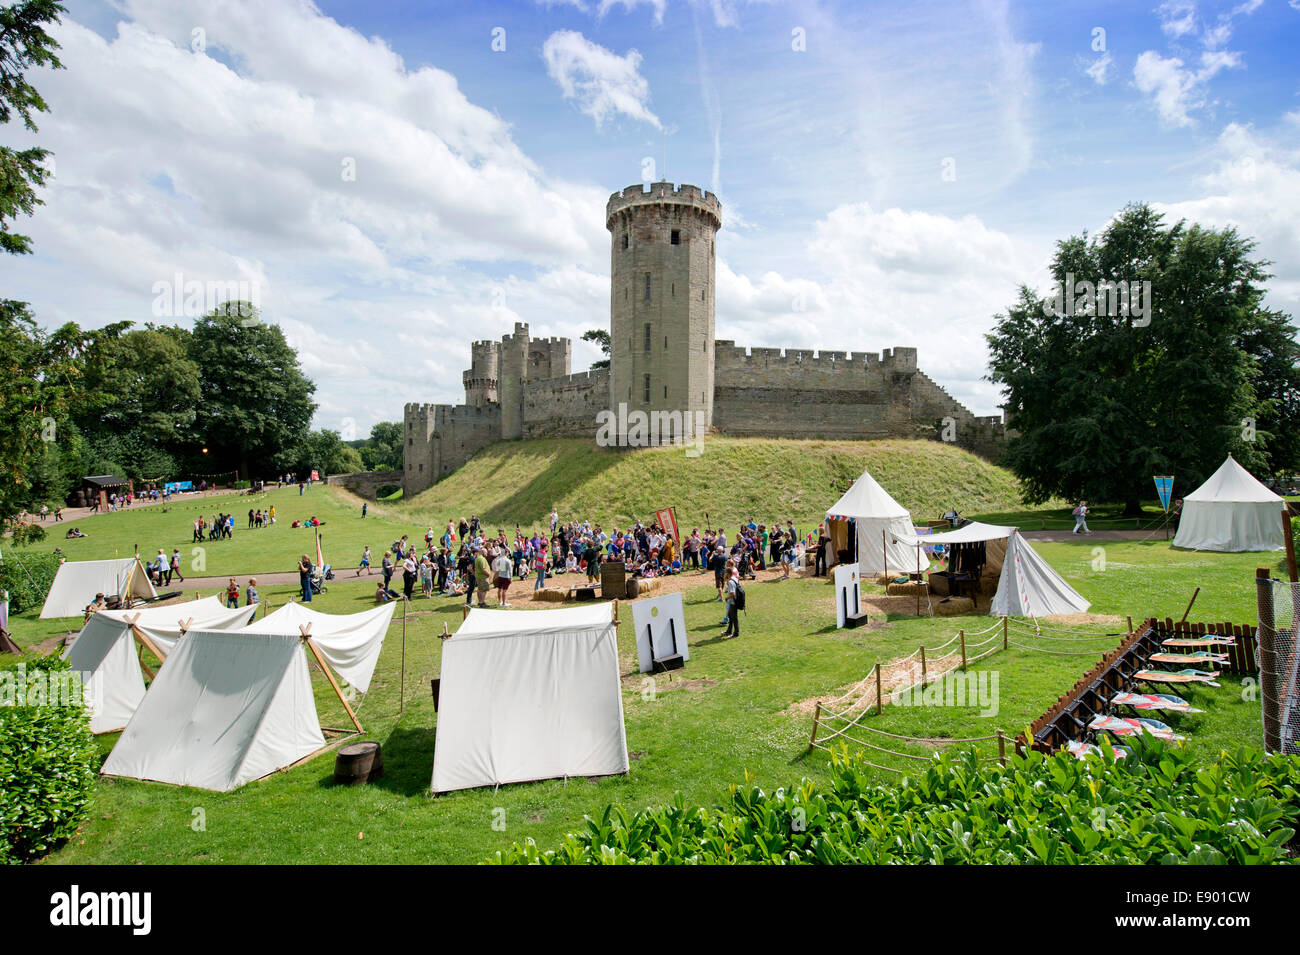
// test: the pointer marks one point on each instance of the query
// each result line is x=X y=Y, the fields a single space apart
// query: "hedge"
x=1155 y=806
x=48 y=760
x=27 y=577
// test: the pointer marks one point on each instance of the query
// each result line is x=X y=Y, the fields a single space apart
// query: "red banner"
x=667 y=519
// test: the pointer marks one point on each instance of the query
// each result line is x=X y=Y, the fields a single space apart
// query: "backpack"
x=740 y=596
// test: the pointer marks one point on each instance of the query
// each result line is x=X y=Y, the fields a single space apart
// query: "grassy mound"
x=733 y=480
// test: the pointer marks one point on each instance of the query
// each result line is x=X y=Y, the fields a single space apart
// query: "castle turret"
x=481 y=378
x=510 y=383
x=662 y=299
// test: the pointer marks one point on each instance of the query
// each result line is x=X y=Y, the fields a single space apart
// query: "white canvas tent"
x=105 y=652
x=528 y=695
x=77 y=582
x=226 y=709
x=1231 y=512
x=879 y=519
x=349 y=642
x=1027 y=584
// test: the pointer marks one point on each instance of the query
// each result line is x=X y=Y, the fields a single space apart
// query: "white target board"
x=848 y=593
x=659 y=623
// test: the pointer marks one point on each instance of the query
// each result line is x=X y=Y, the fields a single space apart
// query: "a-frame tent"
x=1027 y=584
x=244 y=705
x=1231 y=512
x=529 y=695
x=106 y=653
x=77 y=582
x=879 y=519
x=227 y=708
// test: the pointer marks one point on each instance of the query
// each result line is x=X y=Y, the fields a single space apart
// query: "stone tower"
x=661 y=301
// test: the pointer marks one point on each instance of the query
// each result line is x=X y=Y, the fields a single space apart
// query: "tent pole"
x=884 y=556
x=148 y=644
x=329 y=674
x=918 y=580
x=1290 y=545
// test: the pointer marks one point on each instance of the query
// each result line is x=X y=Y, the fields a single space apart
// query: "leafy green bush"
x=1156 y=806
x=48 y=760
x=27 y=577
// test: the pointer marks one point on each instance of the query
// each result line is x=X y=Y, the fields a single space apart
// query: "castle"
x=663 y=358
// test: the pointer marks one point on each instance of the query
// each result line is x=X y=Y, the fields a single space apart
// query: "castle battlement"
x=664 y=193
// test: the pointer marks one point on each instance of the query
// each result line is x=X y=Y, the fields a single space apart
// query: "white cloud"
x=1177 y=17
x=1100 y=68
x=602 y=83
x=658 y=6
x=1175 y=91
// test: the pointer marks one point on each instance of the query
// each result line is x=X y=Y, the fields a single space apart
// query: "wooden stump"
x=358 y=763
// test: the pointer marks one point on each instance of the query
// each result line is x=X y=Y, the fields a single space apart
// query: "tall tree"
x=383 y=452
x=1102 y=393
x=601 y=337
x=23 y=44
x=255 y=404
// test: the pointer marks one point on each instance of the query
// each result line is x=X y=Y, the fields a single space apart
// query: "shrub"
x=1156 y=806
x=27 y=577
x=48 y=760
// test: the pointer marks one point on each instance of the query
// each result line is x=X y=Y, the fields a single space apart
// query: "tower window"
x=647 y=388
x=665 y=341
x=665 y=391
x=647 y=336
x=676 y=237
x=625 y=240
x=410 y=442
x=647 y=286
x=701 y=295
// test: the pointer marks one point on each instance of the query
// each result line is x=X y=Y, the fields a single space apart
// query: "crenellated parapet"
x=664 y=194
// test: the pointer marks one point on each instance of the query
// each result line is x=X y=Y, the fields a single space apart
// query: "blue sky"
x=889 y=183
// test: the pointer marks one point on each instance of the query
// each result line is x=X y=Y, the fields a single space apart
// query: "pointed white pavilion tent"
x=878 y=519
x=1231 y=512
x=1027 y=584
x=77 y=581
x=104 y=652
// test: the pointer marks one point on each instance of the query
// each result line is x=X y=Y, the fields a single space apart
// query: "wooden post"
x=1130 y=626
x=1002 y=748
x=1268 y=688
x=1290 y=546
x=139 y=635
x=616 y=611
x=880 y=700
x=812 y=740
x=923 y=668
x=1004 y=632
x=464 y=612
x=962 y=635
x=884 y=557
x=1189 y=604
x=329 y=674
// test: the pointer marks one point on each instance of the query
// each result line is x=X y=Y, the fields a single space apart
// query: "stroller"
x=318 y=578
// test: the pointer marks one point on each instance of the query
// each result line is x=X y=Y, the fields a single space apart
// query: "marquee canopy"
x=1231 y=512
x=1027 y=584
x=878 y=518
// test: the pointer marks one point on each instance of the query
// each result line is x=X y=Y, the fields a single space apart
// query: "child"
x=365 y=562
x=250 y=593
x=232 y=594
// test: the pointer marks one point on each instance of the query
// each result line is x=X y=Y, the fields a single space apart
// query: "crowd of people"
x=466 y=560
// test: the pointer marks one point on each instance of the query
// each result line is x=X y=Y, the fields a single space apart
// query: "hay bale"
x=954 y=606
x=547 y=595
x=909 y=589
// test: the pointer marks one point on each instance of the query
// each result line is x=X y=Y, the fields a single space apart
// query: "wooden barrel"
x=358 y=763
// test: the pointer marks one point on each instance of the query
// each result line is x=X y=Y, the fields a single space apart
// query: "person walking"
x=409 y=571
x=733 y=599
x=823 y=545
x=365 y=562
x=304 y=577
x=250 y=593
x=1081 y=518
x=540 y=565
x=164 y=568
x=364 y=505
x=386 y=566
x=176 y=564
x=232 y=594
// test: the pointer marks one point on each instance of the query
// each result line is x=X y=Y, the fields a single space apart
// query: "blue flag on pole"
x=1165 y=488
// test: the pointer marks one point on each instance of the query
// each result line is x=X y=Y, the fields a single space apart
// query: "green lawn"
x=701 y=729
x=270 y=549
